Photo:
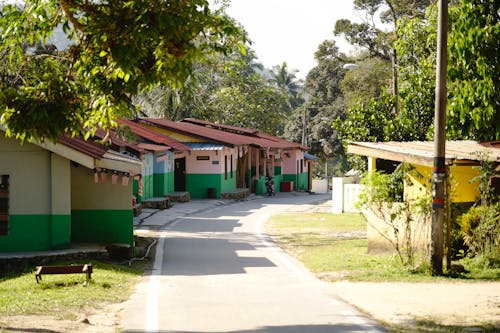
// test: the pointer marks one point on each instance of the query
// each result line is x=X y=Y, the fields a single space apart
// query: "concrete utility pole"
x=439 y=174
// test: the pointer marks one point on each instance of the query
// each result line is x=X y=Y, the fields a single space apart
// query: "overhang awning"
x=422 y=152
x=310 y=157
x=204 y=146
x=153 y=147
x=108 y=160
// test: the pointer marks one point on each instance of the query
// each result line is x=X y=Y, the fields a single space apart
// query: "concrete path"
x=216 y=271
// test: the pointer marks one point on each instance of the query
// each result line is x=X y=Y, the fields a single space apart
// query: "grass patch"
x=64 y=296
x=429 y=326
x=334 y=246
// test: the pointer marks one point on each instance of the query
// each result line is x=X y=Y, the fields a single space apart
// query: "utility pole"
x=439 y=174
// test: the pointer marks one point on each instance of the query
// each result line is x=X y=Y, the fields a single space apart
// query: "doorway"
x=180 y=175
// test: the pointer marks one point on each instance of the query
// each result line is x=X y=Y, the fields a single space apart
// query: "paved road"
x=217 y=272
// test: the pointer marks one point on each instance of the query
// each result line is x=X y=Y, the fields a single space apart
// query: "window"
x=4 y=205
x=231 y=165
x=301 y=166
x=225 y=167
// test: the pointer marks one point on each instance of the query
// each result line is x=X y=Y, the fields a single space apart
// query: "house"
x=158 y=177
x=461 y=160
x=55 y=194
x=226 y=158
x=284 y=160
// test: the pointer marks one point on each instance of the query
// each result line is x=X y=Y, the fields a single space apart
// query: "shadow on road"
x=337 y=328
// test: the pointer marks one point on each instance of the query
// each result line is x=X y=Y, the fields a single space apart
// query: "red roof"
x=89 y=148
x=219 y=126
x=153 y=147
x=491 y=144
x=252 y=133
x=153 y=136
x=116 y=140
x=200 y=131
x=220 y=136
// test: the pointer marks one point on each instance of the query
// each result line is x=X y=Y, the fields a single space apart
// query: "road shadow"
x=333 y=328
x=208 y=256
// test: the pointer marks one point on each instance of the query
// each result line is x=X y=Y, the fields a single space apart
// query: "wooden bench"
x=69 y=269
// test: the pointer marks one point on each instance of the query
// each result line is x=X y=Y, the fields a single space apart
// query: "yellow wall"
x=85 y=194
x=29 y=169
x=462 y=190
x=173 y=135
x=60 y=185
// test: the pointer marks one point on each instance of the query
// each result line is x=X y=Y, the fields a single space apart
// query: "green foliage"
x=288 y=83
x=225 y=88
x=116 y=50
x=474 y=74
x=312 y=120
x=474 y=62
x=480 y=225
x=365 y=82
x=480 y=228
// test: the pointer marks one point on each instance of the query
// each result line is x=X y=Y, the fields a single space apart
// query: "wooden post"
x=439 y=174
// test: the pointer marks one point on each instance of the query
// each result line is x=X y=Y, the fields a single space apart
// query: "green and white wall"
x=100 y=212
x=39 y=197
x=163 y=174
x=211 y=169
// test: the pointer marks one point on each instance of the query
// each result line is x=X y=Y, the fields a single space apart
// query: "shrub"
x=480 y=228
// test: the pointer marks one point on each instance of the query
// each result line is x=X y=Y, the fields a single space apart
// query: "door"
x=180 y=175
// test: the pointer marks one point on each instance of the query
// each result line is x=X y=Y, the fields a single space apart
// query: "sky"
x=291 y=30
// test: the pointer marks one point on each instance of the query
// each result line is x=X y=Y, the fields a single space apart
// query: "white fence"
x=319 y=186
x=345 y=194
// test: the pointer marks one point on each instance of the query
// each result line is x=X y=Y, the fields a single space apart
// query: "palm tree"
x=288 y=83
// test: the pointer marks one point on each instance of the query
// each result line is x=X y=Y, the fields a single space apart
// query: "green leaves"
x=474 y=72
x=120 y=48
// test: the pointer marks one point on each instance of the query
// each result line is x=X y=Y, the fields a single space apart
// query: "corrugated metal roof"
x=153 y=136
x=422 y=152
x=89 y=148
x=219 y=126
x=256 y=136
x=229 y=139
x=204 y=146
x=221 y=136
x=119 y=142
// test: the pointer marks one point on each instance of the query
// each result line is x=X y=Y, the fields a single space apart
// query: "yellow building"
x=461 y=160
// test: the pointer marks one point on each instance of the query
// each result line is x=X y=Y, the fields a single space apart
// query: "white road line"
x=281 y=256
x=152 y=304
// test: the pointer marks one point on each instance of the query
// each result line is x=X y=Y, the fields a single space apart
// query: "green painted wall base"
x=198 y=184
x=163 y=184
x=102 y=226
x=300 y=182
x=36 y=233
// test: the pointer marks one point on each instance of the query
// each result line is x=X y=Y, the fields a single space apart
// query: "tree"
x=117 y=50
x=365 y=82
x=312 y=120
x=288 y=83
x=377 y=42
x=474 y=74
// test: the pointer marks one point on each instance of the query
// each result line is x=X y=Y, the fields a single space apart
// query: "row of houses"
x=72 y=191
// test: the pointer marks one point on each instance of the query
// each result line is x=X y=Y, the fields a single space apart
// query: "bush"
x=480 y=228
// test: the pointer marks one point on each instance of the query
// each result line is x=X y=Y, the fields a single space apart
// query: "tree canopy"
x=117 y=49
x=473 y=110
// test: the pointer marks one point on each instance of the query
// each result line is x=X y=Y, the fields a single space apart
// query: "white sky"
x=291 y=30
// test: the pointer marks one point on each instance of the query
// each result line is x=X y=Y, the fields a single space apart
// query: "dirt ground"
x=447 y=303
x=465 y=304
